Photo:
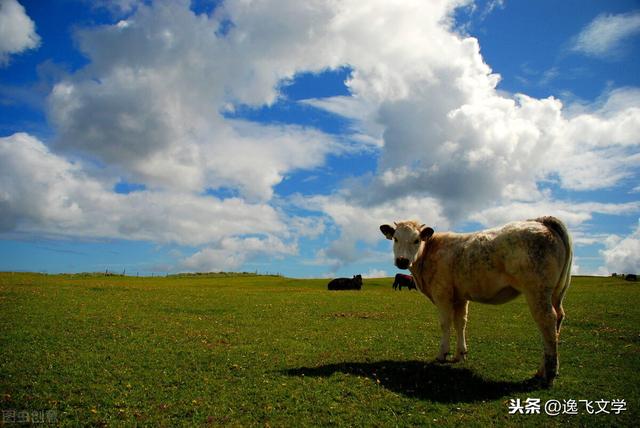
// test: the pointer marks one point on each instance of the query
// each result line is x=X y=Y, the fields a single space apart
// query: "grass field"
x=273 y=351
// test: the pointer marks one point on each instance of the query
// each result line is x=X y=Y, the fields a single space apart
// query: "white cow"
x=493 y=266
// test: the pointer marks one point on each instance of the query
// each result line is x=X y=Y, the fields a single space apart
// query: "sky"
x=276 y=136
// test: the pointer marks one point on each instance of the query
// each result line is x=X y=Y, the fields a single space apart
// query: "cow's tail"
x=565 y=277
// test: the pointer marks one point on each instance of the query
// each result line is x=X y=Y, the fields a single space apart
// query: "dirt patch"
x=360 y=315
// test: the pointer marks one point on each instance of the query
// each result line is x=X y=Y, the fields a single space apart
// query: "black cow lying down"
x=354 y=283
x=402 y=280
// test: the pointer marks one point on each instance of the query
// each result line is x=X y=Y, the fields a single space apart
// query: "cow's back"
x=344 y=284
x=335 y=284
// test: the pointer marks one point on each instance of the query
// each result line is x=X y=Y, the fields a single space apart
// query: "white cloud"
x=44 y=194
x=604 y=37
x=622 y=254
x=153 y=108
x=360 y=111
x=151 y=102
x=574 y=214
x=17 y=30
x=496 y=149
x=421 y=92
x=449 y=134
x=375 y=273
x=231 y=253
x=307 y=227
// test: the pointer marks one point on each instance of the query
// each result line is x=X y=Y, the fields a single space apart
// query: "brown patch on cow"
x=543 y=249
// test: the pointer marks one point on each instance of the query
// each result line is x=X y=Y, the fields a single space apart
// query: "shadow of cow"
x=424 y=380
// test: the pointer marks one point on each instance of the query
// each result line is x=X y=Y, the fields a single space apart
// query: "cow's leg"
x=556 y=300
x=446 y=315
x=546 y=318
x=460 y=321
x=560 y=314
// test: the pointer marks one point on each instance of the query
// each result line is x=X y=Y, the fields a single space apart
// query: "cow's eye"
x=417 y=241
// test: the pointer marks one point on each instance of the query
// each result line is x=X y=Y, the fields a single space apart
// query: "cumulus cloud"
x=42 y=193
x=360 y=112
x=375 y=273
x=152 y=102
x=17 y=30
x=446 y=132
x=231 y=253
x=423 y=94
x=574 y=214
x=604 y=37
x=480 y=154
x=495 y=149
x=156 y=107
x=622 y=254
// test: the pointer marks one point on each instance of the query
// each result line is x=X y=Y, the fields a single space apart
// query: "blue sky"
x=276 y=136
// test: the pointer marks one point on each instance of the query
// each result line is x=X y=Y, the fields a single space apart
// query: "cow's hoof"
x=460 y=358
x=542 y=381
x=442 y=358
x=547 y=382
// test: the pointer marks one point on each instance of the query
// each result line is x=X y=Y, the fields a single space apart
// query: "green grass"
x=251 y=350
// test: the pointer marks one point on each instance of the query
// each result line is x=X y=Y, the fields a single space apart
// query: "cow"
x=402 y=280
x=354 y=283
x=494 y=266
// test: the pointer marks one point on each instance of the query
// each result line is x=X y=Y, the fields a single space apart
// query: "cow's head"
x=408 y=240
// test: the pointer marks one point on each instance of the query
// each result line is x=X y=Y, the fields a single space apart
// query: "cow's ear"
x=425 y=233
x=387 y=231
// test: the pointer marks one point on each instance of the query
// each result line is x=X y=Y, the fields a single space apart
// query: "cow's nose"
x=402 y=263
